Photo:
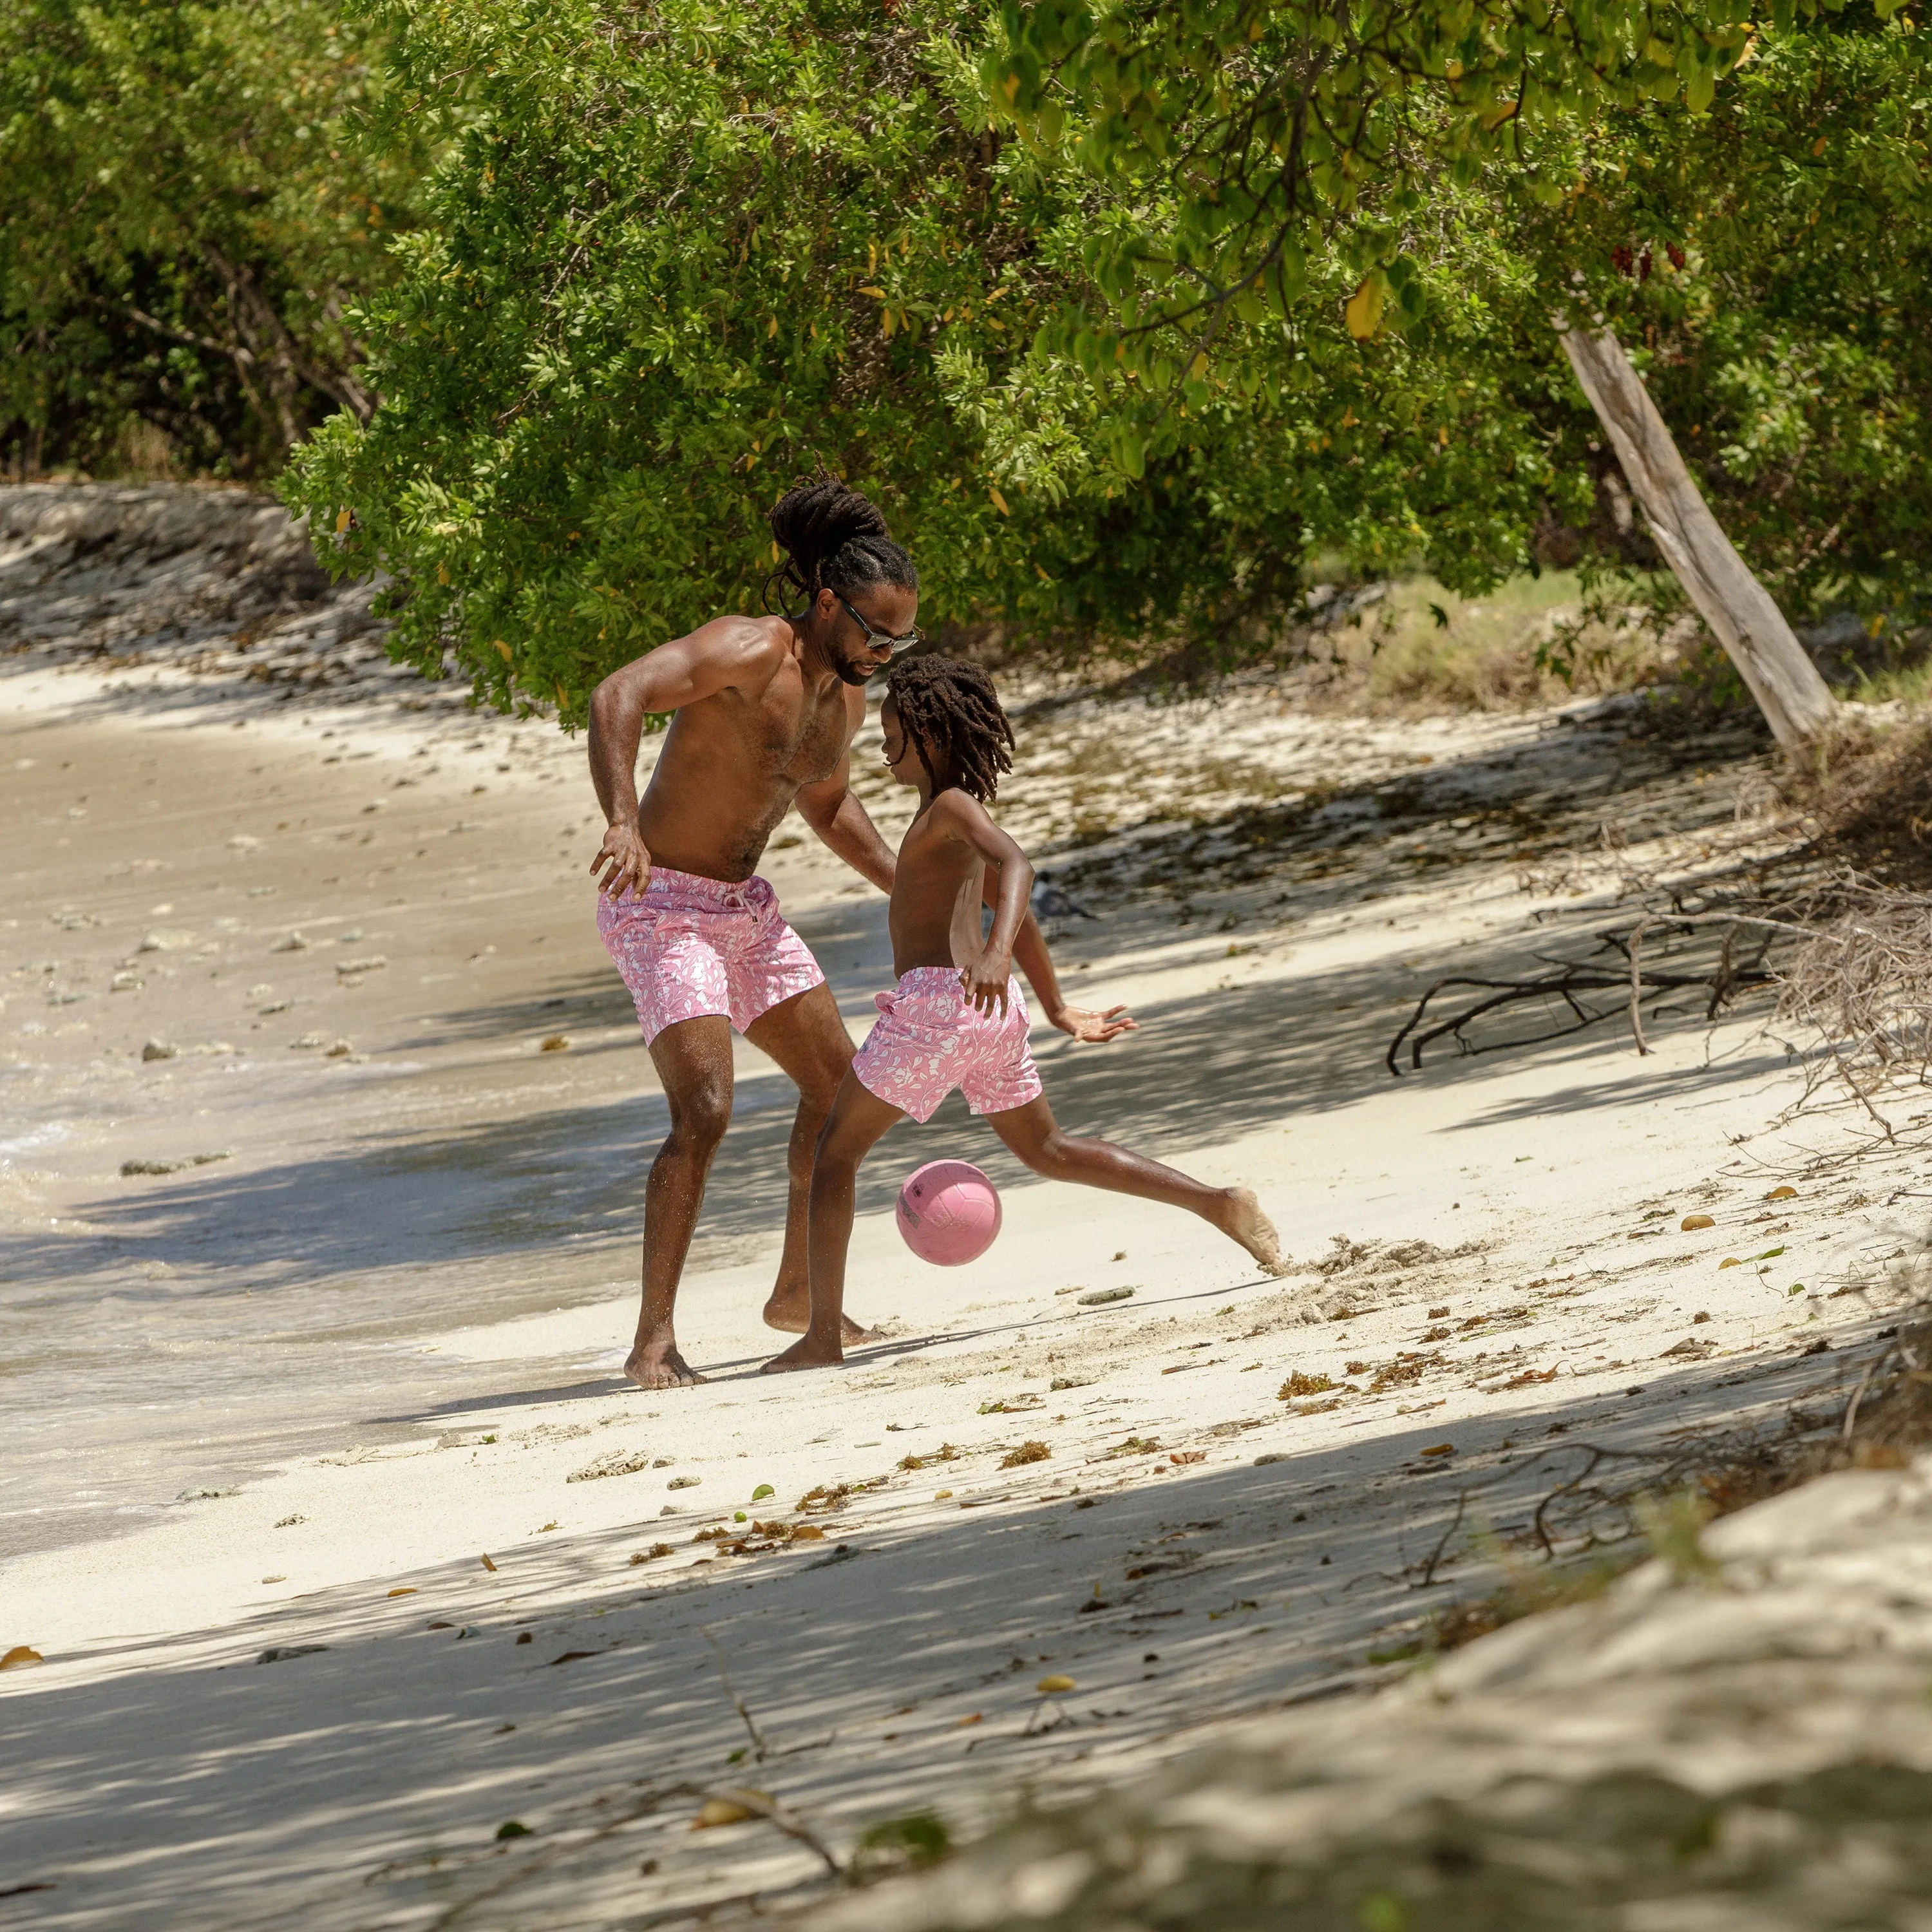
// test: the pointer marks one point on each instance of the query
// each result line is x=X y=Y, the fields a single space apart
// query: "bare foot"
x=804 y=1354
x=657 y=1364
x=790 y=1312
x=1245 y=1223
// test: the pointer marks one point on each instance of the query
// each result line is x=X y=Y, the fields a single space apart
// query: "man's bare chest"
x=800 y=741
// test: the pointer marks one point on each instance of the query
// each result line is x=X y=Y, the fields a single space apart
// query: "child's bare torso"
x=937 y=894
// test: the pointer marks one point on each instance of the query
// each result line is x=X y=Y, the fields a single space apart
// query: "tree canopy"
x=187 y=214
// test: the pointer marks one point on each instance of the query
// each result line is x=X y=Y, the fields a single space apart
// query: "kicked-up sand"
x=369 y=1595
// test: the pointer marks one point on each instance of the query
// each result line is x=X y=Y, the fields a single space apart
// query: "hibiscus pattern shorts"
x=688 y=946
x=929 y=1039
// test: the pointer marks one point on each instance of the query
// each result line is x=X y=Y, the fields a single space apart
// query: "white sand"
x=430 y=1240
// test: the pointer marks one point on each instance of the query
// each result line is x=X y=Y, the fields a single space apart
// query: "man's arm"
x=715 y=655
x=1083 y=1023
x=832 y=811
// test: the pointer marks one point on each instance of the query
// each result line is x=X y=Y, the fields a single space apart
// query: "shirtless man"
x=765 y=710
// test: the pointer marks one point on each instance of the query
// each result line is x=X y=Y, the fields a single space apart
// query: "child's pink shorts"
x=688 y=946
x=928 y=1040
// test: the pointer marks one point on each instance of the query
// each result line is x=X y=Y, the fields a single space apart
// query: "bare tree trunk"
x=1748 y=624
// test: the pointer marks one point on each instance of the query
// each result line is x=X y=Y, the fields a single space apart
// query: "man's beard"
x=851 y=672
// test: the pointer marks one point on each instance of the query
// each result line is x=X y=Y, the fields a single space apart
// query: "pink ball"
x=949 y=1213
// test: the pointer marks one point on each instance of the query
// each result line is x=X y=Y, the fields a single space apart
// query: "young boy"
x=957 y=1017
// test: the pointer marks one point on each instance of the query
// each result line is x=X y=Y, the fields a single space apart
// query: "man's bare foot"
x=1245 y=1223
x=804 y=1354
x=657 y=1364
x=790 y=1312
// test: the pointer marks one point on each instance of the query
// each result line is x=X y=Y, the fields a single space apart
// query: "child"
x=957 y=1017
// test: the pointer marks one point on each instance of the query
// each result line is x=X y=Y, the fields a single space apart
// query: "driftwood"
x=1568 y=982
x=1739 y=609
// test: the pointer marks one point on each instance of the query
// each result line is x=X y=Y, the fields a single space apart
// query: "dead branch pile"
x=1860 y=983
x=1869 y=795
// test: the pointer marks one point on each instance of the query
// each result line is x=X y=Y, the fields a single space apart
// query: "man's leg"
x=858 y=1118
x=693 y=1059
x=1033 y=1133
x=804 y=1035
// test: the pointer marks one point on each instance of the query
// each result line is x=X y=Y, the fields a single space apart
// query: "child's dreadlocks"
x=949 y=710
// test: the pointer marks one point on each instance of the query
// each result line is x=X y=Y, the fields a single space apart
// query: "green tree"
x=187 y=217
x=676 y=255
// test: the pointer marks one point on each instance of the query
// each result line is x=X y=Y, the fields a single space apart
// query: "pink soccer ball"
x=949 y=1213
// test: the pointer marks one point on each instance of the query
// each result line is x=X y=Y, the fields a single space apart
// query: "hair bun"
x=815 y=521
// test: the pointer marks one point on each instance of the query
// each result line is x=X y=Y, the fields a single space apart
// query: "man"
x=764 y=712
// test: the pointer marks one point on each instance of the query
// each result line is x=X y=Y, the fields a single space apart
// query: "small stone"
x=161 y=1049
x=290 y=942
x=684 y=1482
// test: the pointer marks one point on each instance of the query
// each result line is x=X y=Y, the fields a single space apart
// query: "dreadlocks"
x=834 y=539
x=949 y=710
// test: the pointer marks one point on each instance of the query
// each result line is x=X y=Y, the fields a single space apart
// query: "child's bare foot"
x=656 y=1364
x=1244 y=1221
x=790 y=1312
x=805 y=1353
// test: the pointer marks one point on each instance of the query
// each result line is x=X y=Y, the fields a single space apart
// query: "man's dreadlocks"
x=834 y=539
x=949 y=710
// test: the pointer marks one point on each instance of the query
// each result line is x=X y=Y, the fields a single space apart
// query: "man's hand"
x=985 y=980
x=1093 y=1029
x=624 y=859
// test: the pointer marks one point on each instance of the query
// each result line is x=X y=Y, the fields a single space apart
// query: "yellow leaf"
x=20 y=1657
x=1051 y=1686
x=1819 y=146
x=407 y=1590
x=1348 y=418
x=443 y=573
x=557 y=1042
x=999 y=502
x=1454 y=69
x=1363 y=314
x=1730 y=1260
x=1782 y=1194
x=1496 y=118
x=889 y=321
x=807 y=1532
x=867 y=289
x=1691 y=1223
x=342 y=519
x=942 y=1495
x=504 y=649
x=771 y=328
x=487 y=1564
x=1442 y=437
x=1441 y=1449
x=727 y=1811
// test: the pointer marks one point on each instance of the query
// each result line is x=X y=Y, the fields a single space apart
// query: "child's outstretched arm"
x=984 y=976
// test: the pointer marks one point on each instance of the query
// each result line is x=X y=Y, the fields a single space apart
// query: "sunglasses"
x=878 y=641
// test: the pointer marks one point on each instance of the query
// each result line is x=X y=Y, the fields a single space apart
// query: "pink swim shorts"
x=688 y=946
x=928 y=1040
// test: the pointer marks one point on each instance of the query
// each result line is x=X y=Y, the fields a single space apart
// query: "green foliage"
x=679 y=256
x=676 y=257
x=185 y=218
x=1277 y=155
x=1770 y=266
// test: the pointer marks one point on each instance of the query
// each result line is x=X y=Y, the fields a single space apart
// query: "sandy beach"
x=321 y=1163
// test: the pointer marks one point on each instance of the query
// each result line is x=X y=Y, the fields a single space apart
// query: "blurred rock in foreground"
x=1745 y=1746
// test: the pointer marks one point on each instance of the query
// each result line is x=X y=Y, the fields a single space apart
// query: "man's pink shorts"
x=688 y=946
x=927 y=1039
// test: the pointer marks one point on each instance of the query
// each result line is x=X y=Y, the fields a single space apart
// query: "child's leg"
x=1032 y=1132
x=858 y=1118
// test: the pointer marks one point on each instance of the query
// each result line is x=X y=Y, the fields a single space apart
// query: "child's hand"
x=1093 y=1029
x=986 y=979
